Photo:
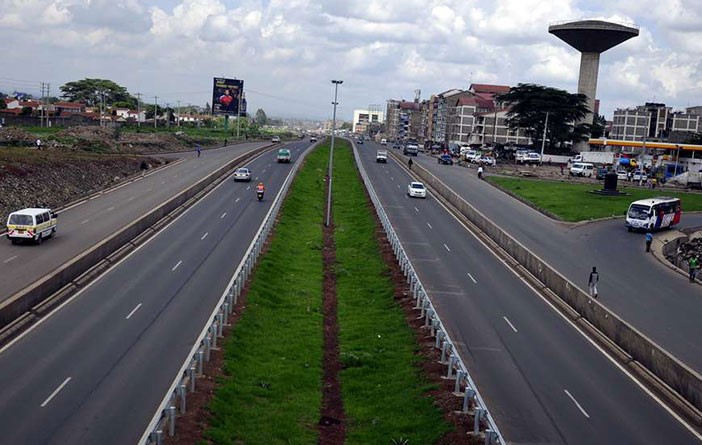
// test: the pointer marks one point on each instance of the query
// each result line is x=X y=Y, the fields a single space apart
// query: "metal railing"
x=176 y=397
x=465 y=387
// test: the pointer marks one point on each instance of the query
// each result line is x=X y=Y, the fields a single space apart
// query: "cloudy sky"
x=287 y=51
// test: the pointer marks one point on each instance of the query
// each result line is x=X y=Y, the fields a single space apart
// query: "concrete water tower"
x=591 y=37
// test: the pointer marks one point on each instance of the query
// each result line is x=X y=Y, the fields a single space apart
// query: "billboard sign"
x=226 y=96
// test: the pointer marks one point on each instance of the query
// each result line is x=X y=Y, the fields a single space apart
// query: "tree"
x=91 y=92
x=529 y=104
x=599 y=126
x=260 y=117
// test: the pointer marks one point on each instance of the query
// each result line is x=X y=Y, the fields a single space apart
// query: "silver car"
x=416 y=190
x=242 y=174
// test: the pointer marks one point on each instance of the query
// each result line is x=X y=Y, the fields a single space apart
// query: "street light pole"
x=543 y=138
x=331 y=150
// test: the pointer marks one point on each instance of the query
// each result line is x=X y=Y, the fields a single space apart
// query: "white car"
x=622 y=176
x=242 y=174
x=275 y=139
x=416 y=190
x=640 y=175
x=486 y=160
x=313 y=138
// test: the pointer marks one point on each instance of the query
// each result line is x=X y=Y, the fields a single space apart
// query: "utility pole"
x=168 y=115
x=179 y=113
x=331 y=150
x=155 y=109
x=138 y=95
x=543 y=138
x=41 y=116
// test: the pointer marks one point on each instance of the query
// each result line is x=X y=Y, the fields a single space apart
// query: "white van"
x=653 y=213
x=31 y=224
x=383 y=141
x=584 y=169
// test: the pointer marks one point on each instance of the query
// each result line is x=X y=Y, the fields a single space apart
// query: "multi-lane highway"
x=543 y=381
x=657 y=301
x=96 y=370
x=93 y=220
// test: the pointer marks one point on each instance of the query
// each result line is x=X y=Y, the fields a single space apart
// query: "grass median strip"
x=573 y=202
x=385 y=396
x=273 y=359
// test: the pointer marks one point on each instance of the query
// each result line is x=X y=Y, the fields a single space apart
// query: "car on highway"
x=445 y=159
x=359 y=141
x=32 y=224
x=275 y=139
x=411 y=148
x=313 y=138
x=381 y=156
x=416 y=190
x=470 y=155
x=242 y=174
x=383 y=141
x=283 y=156
x=396 y=145
x=582 y=169
x=640 y=175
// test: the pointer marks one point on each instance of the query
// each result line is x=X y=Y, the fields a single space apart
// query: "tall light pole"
x=543 y=138
x=331 y=150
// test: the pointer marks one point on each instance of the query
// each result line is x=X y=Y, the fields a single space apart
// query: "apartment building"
x=363 y=120
x=492 y=128
x=406 y=120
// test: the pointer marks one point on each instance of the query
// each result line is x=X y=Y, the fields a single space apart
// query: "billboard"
x=226 y=97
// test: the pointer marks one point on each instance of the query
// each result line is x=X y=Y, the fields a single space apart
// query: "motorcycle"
x=259 y=195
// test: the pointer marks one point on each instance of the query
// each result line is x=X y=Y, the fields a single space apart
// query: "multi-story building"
x=655 y=122
x=392 y=116
x=364 y=119
x=438 y=114
x=405 y=120
x=492 y=128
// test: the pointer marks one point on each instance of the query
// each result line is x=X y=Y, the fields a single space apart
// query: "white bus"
x=653 y=213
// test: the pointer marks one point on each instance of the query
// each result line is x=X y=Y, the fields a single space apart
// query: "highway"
x=88 y=223
x=95 y=371
x=657 y=301
x=542 y=380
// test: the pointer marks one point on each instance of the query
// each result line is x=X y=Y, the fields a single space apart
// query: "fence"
x=456 y=369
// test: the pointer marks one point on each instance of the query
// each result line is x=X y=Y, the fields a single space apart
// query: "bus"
x=653 y=213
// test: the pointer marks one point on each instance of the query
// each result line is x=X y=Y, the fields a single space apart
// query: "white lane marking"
x=510 y=323
x=9 y=259
x=110 y=209
x=247 y=188
x=264 y=170
x=149 y=189
x=237 y=199
x=204 y=236
x=223 y=215
x=133 y=310
x=430 y=226
x=177 y=265
x=255 y=179
x=577 y=329
x=85 y=221
x=577 y=404
x=131 y=198
x=471 y=278
x=391 y=178
x=416 y=210
x=447 y=247
x=398 y=185
x=56 y=391
x=163 y=182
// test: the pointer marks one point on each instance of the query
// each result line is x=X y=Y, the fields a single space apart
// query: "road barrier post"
x=213 y=334
x=200 y=365
x=452 y=360
x=156 y=437
x=439 y=338
x=225 y=313
x=208 y=343
x=171 y=420
x=468 y=395
x=183 y=395
x=191 y=376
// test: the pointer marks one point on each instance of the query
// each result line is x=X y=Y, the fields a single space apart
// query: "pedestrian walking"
x=692 y=263
x=561 y=169
x=143 y=168
x=649 y=240
x=198 y=150
x=409 y=163
x=592 y=282
x=38 y=144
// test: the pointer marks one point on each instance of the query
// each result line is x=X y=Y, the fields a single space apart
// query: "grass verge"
x=385 y=396
x=574 y=202
x=273 y=359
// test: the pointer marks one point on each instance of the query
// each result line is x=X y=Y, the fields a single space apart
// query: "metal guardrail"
x=176 y=396
x=464 y=385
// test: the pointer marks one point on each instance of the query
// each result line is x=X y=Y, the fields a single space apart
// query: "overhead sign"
x=227 y=97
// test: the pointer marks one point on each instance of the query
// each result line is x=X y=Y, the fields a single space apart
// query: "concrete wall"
x=24 y=300
x=683 y=380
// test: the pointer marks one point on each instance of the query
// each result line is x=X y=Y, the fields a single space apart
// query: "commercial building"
x=406 y=120
x=655 y=122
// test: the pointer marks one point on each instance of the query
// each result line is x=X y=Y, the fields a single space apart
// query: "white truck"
x=381 y=156
x=595 y=157
x=688 y=179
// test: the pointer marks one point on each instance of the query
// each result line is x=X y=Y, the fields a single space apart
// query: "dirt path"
x=332 y=427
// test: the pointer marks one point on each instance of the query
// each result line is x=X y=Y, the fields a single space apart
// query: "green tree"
x=529 y=104
x=261 y=117
x=599 y=126
x=346 y=126
x=3 y=105
x=91 y=92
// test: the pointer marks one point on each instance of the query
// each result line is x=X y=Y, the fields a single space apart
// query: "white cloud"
x=290 y=49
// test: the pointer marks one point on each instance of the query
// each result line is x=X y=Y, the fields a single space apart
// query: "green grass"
x=273 y=359
x=573 y=202
x=384 y=394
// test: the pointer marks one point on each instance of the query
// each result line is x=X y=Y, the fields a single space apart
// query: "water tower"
x=591 y=38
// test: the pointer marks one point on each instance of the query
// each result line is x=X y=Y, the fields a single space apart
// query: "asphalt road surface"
x=657 y=301
x=542 y=380
x=96 y=370
x=83 y=226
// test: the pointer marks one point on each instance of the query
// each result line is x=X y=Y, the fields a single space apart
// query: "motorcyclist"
x=260 y=187
x=480 y=172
